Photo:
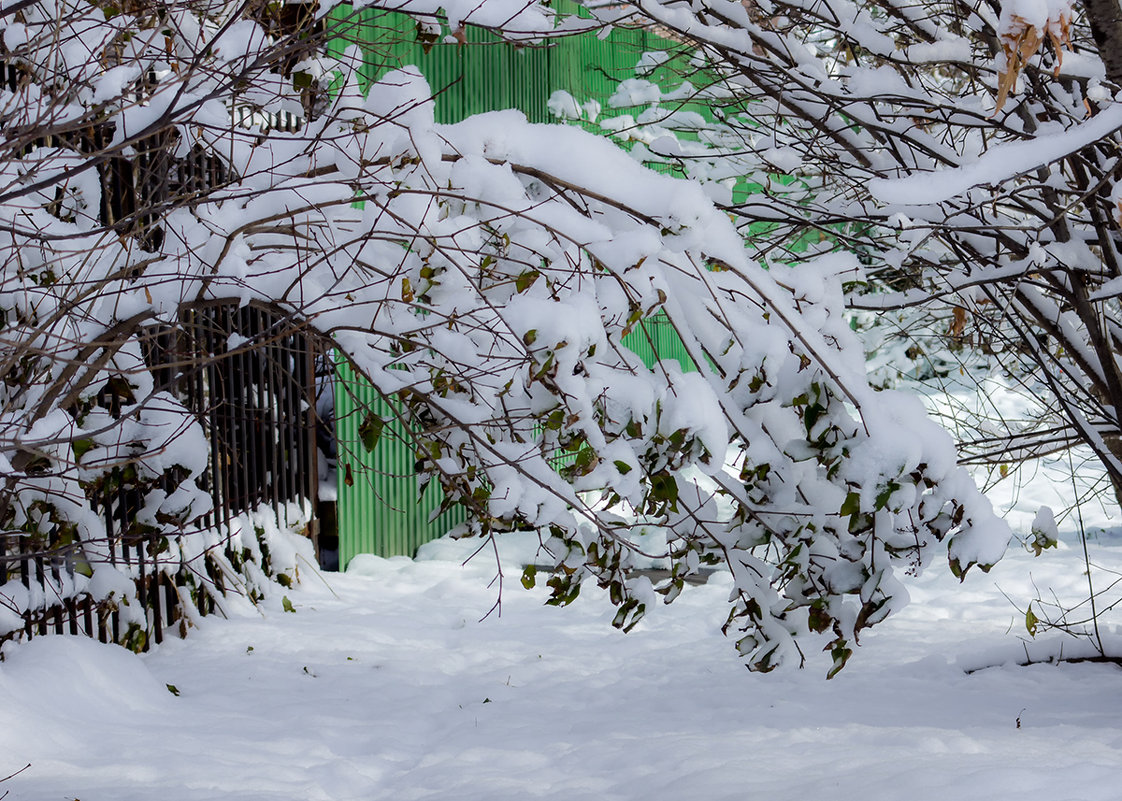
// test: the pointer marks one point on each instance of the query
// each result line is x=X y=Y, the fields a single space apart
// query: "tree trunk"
x=1105 y=17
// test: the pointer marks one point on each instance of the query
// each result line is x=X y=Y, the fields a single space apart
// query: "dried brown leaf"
x=1020 y=41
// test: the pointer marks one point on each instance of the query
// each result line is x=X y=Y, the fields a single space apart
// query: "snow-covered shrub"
x=485 y=274
x=964 y=153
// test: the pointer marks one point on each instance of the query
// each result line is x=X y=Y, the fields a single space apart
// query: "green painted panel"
x=381 y=508
x=483 y=73
x=480 y=74
x=654 y=339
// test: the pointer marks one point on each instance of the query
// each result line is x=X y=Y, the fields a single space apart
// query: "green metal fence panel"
x=481 y=73
x=381 y=508
x=655 y=339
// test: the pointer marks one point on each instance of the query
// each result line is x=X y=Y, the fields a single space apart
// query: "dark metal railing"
x=245 y=373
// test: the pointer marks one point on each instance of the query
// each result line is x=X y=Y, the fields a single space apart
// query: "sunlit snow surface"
x=389 y=685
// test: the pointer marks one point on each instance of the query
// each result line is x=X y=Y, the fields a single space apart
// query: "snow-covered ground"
x=384 y=683
x=388 y=685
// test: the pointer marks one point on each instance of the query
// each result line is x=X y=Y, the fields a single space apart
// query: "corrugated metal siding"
x=481 y=74
x=380 y=510
x=655 y=338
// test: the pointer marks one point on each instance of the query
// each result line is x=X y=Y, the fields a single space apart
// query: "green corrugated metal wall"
x=486 y=74
x=654 y=339
x=380 y=509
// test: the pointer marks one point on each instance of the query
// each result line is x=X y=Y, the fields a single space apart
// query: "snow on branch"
x=483 y=274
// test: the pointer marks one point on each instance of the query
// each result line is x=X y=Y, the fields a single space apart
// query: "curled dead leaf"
x=1020 y=40
x=958 y=324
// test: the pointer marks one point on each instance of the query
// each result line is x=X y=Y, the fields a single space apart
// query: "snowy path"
x=394 y=690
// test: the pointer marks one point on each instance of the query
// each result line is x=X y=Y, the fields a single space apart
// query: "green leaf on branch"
x=529 y=577
x=840 y=653
x=564 y=590
x=812 y=414
x=526 y=280
x=371 y=431
x=81 y=447
x=818 y=619
x=881 y=501
x=851 y=505
x=628 y=615
x=664 y=487
x=633 y=318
